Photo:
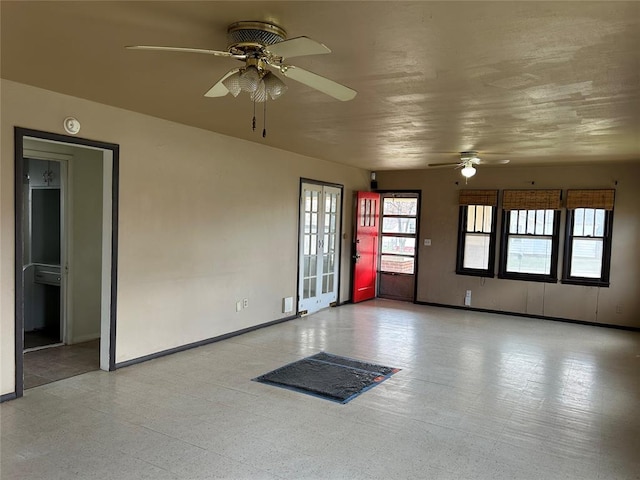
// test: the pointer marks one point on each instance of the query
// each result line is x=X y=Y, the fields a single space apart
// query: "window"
x=588 y=237
x=398 y=242
x=530 y=226
x=476 y=232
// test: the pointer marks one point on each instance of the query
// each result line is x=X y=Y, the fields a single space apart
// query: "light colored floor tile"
x=479 y=396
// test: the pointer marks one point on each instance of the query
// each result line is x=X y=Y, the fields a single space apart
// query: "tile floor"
x=55 y=363
x=480 y=396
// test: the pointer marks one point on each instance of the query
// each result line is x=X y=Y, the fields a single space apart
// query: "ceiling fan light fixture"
x=249 y=79
x=232 y=83
x=468 y=171
x=273 y=85
x=269 y=86
x=260 y=95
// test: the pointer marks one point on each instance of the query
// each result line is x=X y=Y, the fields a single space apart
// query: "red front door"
x=366 y=246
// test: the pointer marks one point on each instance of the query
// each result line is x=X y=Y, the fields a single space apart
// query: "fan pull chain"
x=264 y=120
x=253 y=123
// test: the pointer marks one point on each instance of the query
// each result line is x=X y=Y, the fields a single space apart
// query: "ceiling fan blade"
x=216 y=53
x=219 y=90
x=493 y=162
x=297 y=47
x=451 y=164
x=322 y=84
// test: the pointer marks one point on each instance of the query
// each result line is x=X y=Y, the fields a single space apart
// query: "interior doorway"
x=43 y=238
x=319 y=245
x=66 y=248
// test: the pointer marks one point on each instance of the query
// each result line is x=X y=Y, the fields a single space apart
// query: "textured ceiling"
x=535 y=82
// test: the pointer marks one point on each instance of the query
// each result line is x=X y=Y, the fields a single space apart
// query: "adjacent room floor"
x=56 y=363
x=480 y=396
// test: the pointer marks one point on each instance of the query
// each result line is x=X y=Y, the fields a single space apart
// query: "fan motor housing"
x=253 y=34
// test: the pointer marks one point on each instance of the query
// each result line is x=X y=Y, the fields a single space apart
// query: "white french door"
x=319 y=259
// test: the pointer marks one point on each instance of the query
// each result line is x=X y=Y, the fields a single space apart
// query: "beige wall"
x=438 y=282
x=204 y=220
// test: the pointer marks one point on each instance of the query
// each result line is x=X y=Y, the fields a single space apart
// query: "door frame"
x=418 y=193
x=338 y=235
x=114 y=150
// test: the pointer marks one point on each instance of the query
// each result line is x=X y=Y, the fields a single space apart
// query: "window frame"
x=462 y=236
x=603 y=280
x=552 y=277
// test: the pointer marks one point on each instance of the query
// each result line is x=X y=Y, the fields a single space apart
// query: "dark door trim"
x=409 y=194
x=19 y=135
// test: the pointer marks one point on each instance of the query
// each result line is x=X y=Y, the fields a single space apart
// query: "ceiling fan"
x=263 y=47
x=467 y=163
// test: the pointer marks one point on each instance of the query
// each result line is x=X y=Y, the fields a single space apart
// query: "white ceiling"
x=535 y=82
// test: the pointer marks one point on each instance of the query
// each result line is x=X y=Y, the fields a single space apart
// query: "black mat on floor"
x=328 y=376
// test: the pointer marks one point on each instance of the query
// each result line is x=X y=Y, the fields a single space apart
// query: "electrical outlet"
x=467 y=298
x=245 y=303
x=238 y=305
x=618 y=308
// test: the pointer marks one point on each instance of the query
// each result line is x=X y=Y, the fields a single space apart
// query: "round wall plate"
x=71 y=125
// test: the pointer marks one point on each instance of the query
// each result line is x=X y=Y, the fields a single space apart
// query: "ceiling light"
x=232 y=83
x=270 y=86
x=273 y=85
x=249 y=79
x=259 y=84
x=468 y=170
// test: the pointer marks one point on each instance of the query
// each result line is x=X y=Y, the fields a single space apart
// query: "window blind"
x=602 y=198
x=479 y=197
x=531 y=199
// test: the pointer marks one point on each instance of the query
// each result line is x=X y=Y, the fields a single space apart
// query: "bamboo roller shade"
x=590 y=199
x=479 y=197
x=531 y=199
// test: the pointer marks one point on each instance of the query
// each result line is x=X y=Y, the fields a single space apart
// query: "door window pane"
x=399 y=245
x=399 y=225
x=327 y=283
x=400 y=206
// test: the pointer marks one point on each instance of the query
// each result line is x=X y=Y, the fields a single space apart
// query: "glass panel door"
x=319 y=246
x=398 y=243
